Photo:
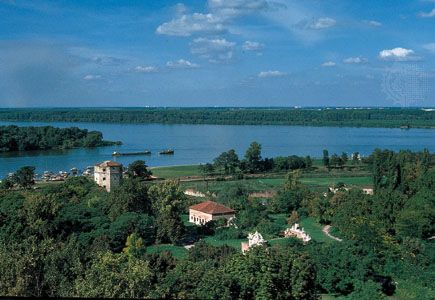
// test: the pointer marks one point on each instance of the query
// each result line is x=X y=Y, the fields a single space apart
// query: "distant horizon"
x=217 y=107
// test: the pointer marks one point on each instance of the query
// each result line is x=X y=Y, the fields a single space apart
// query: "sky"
x=217 y=53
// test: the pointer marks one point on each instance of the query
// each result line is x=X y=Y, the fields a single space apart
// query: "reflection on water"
x=201 y=143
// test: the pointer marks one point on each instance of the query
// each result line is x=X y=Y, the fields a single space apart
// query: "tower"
x=108 y=174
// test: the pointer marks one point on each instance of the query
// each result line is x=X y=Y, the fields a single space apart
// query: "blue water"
x=201 y=143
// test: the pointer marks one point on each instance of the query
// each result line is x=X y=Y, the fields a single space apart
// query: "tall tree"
x=167 y=199
x=23 y=177
x=253 y=157
x=326 y=158
x=138 y=169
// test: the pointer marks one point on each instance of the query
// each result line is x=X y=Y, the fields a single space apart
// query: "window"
x=104 y=178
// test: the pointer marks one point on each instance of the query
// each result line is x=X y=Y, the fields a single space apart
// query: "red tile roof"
x=211 y=207
x=109 y=163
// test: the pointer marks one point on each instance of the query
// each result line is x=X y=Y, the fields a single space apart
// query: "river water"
x=194 y=144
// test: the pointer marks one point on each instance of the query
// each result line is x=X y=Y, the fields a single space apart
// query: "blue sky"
x=217 y=53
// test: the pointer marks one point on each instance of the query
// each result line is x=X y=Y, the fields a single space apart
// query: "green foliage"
x=115 y=276
x=23 y=177
x=14 y=138
x=138 y=169
x=392 y=117
x=167 y=199
x=227 y=162
x=130 y=196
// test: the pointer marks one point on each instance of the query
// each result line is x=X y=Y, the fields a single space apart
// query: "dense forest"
x=367 y=117
x=14 y=138
x=75 y=239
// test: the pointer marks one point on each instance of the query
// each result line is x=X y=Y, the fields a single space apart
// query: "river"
x=194 y=144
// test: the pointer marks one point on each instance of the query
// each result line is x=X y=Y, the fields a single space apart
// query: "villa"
x=209 y=210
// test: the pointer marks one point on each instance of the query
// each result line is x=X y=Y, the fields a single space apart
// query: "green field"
x=176 y=171
x=314 y=229
x=235 y=243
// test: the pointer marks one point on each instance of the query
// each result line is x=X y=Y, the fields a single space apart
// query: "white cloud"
x=186 y=25
x=145 y=69
x=215 y=50
x=92 y=77
x=322 y=23
x=329 y=64
x=373 y=23
x=430 y=14
x=266 y=74
x=355 y=60
x=235 y=8
x=180 y=8
x=397 y=54
x=181 y=64
x=215 y=21
x=252 y=46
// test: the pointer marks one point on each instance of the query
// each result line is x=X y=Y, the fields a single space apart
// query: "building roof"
x=109 y=163
x=211 y=207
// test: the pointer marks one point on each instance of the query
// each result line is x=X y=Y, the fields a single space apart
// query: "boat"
x=166 y=152
x=146 y=152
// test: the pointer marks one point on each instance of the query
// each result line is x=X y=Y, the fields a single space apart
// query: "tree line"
x=373 y=117
x=229 y=163
x=15 y=138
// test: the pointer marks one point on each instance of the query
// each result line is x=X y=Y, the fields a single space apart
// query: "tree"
x=138 y=169
x=294 y=218
x=292 y=180
x=117 y=275
x=344 y=158
x=23 y=177
x=130 y=196
x=253 y=157
x=326 y=158
x=167 y=199
x=355 y=158
x=227 y=161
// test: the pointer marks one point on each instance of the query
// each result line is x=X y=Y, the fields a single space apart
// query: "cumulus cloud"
x=91 y=77
x=397 y=54
x=145 y=69
x=329 y=64
x=430 y=14
x=322 y=23
x=355 y=60
x=252 y=46
x=267 y=74
x=186 y=25
x=215 y=21
x=215 y=50
x=181 y=64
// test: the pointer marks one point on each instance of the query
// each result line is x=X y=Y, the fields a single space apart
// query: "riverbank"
x=317 y=116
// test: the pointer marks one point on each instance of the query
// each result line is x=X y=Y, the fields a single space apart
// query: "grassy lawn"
x=177 y=251
x=327 y=181
x=314 y=229
x=236 y=243
x=176 y=171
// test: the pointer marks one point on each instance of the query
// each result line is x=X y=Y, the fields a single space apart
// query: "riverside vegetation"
x=361 y=117
x=14 y=138
x=75 y=239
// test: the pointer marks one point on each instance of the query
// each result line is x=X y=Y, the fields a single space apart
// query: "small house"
x=209 y=210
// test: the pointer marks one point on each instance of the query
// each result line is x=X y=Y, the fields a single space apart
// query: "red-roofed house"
x=207 y=211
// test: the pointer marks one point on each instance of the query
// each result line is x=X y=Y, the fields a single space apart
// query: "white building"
x=108 y=174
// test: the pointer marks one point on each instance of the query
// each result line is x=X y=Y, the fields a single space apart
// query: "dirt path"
x=326 y=230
